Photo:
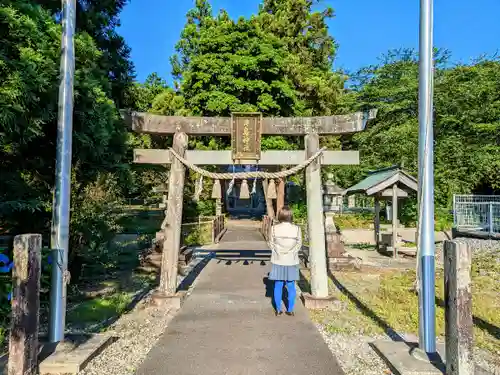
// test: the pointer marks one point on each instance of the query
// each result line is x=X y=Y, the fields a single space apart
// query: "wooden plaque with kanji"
x=246 y=130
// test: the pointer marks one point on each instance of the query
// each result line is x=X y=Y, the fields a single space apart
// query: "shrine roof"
x=381 y=179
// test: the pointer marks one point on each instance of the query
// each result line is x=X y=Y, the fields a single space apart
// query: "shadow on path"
x=188 y=281
x=229 y=321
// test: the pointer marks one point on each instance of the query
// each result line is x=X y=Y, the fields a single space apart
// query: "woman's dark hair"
x=285 y=215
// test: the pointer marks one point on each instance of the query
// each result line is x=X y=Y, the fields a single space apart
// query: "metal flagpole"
x=427 y=310
x=59 y=241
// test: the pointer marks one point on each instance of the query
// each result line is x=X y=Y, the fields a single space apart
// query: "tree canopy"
x=278 y=62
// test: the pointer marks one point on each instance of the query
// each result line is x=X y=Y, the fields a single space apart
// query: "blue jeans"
x=278 y=294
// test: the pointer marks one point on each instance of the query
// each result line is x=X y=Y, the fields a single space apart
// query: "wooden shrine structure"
x=386 y=184
x=245 y=130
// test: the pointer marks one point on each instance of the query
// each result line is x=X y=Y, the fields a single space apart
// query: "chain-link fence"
x=477 y=213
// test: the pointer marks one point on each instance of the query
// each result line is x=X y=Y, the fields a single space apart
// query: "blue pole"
x=427 y=309
x=59 y=241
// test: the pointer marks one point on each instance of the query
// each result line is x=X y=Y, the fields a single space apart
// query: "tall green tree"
x=142 y=95
x=29 y=80
x=100 y=19
x=154 y=96
x=466 y=122
x=306 y=35
x=278 y=62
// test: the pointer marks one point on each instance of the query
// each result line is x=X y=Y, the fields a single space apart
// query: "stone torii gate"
x=246 y=130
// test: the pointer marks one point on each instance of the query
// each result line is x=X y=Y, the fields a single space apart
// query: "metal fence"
x=477 y=213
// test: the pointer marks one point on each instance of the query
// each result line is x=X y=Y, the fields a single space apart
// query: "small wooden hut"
x=388 y=184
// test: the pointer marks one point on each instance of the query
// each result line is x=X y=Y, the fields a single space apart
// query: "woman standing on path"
x=285 y=242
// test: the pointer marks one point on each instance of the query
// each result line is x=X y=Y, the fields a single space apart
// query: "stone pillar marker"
x=315 y=221
x=458 y=308
x=172 y=239
x=23 y=342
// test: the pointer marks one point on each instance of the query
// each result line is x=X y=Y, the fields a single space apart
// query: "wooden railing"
x=207 y=230
x=218 y=228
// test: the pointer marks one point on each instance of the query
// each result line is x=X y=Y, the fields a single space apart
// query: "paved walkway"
x=227 y=325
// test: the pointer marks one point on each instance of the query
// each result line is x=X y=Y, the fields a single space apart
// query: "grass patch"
x=109 y=295
x=100 y=309
x=363 y=246
x=353 y=221
x=408 y=245
x=197 y=233
x=386 y=300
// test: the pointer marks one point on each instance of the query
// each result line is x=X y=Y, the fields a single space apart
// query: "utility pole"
x=427 y=309
x=59 y=241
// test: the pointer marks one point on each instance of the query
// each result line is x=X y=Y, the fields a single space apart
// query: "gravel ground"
x=480 y=245
x=136 y=333
x=354 y=354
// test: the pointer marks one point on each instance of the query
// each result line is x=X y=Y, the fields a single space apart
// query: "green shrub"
x=94 y=223
x=353 y=221
x=299 y=212
x=197 y=233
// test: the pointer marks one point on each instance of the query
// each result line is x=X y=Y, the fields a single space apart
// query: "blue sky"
x=365 y=29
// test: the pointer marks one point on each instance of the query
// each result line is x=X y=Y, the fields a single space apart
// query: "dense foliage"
x=29 y=70
x=279 y=62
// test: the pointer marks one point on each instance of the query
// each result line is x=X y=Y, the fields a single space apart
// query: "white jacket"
x=285 y=242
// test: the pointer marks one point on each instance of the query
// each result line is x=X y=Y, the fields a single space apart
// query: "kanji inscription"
x=246 y=130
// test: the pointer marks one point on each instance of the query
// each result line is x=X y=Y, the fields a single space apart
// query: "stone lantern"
x=332 y=196
x=332 y=204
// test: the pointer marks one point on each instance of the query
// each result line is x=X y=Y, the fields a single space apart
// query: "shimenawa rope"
x=245 y=175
